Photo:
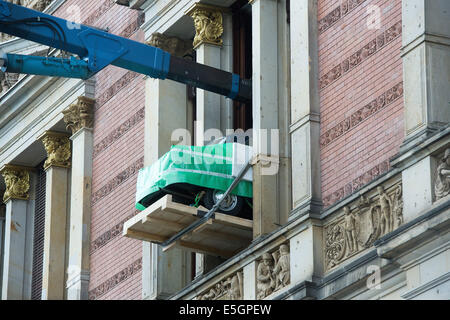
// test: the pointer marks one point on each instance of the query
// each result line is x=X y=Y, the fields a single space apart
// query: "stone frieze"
x=358 y=228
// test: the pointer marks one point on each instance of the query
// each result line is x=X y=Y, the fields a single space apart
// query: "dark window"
x=38 y=239
x=242 y=59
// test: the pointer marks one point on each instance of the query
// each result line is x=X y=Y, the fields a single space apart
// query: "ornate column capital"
x=80 y=114
x=174 y=45
x=208 y=22
x=17 y=180
x=58 y=149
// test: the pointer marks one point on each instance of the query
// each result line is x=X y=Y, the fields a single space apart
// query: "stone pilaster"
x=165 y=119
x=213 y=44
x=305 y=108
x=426 y=68
x=426 y=76
x=208 y=43
x=80 y=119
x=165 y=123
x=265 y=116
x=57 y=168
x=17 y=180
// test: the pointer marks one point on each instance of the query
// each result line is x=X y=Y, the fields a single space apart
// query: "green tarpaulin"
x=210 y=166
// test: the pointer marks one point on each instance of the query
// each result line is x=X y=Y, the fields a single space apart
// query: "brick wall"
x=361 y=92
x=116 y=261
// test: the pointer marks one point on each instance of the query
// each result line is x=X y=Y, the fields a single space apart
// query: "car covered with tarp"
x=199 y=175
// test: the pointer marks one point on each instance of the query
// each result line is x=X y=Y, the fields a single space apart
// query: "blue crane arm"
x=45 y=66
x=97 y=49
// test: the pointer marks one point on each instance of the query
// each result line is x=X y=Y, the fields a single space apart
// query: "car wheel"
x=232 y=205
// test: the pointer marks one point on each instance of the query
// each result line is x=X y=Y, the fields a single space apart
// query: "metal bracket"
x=102 y=48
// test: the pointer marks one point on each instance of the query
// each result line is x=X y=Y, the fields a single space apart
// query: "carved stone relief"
x=58 y=150
x=231 y=288
x=357 y=229
x=17 y=181
x=442 y=181
x=273 y=272
x=7 y=80
x=208 y=22
x=80 y=115
x=175 y=46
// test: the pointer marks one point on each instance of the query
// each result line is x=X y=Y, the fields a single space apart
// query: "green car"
x=199 y=176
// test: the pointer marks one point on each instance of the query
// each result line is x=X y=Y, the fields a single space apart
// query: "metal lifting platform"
x=222 y=235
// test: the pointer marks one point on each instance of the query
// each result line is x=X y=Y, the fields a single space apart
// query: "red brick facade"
x=361 y=92
x=116 y=262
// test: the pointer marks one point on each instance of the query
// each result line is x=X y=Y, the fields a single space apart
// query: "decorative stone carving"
x=442 y=182
x=398 y=207
x=230 y=289
x=175 y=46
x=386 y=218
x=58 y=150
x=80 y=115
x=334 y=244
x=208 y=22
x=357 y=229
x=350 y=230
x=17 y=181
x=7 y=80
x=264 y=277
x=39 y=5
x=273 y=272
x=282 y=268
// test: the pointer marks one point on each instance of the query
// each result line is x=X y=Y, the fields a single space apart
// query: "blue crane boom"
x=96 y=49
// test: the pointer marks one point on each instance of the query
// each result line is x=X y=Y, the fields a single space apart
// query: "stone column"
x=57 y=168
x=305 y=109
x=80 y=119
x=208 y=42
x=164 y=273
x=17 y=180
x=214 y=112
x=426 y=67
x=265 y=116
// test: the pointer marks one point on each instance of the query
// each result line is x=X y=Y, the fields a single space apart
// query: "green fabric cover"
x=209 y=166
